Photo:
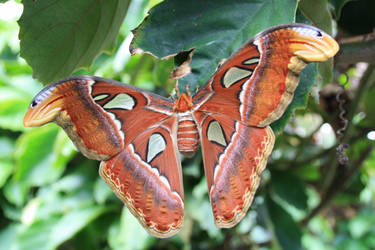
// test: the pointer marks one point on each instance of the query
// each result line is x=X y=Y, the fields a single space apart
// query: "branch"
x=357 y=49
x=339 y=184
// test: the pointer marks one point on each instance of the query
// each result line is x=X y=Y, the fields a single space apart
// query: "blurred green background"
x=51 y=197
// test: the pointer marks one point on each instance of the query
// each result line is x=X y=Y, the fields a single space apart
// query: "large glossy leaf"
x=214 y=28
x=57 y=212
x=318 y=14
x=289 y=188
x=362 y=223
x=16 y=193
x=215 y=31
x=58 y=37
x=128 y=234
x=316 y=11
x=41 y=155
x=6 y=168
x=8 y=236
x=13 y=105
x=285 y=228
x=6 y=163
x=198 y=207
x=48 y=234
x=102 y=191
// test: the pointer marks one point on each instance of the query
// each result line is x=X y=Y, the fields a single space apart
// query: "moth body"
x=187 y=130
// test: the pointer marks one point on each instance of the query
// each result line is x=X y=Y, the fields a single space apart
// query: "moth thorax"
x=187 y=134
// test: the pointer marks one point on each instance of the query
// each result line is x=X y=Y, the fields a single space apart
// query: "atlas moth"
x=137 y=135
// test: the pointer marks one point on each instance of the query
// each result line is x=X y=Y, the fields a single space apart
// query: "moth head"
x=43 y=108
x=312 y=44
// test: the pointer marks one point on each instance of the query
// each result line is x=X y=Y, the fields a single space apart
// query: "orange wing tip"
x=151 y=227
x=163 y=233
x=36 y=117
x=312 y=47
x=238 y=214
x=44 y=110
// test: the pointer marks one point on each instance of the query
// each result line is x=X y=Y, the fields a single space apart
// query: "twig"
x=367 y=80
x=342 y=147
x=357 y=49
x=339 y=184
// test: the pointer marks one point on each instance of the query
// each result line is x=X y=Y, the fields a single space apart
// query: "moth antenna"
x=176 y=89
x=187 y=90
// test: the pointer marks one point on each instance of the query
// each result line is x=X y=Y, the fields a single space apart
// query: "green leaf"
x=14 y=68
x=200 y=210
x=14 y=100
x=316 y=11
x=61 y=36
x=129 y=234
x=349 y=244
x=16 y=192
x=12 y=113
x=41 y=155
x=6 y=163
x=214 y=29
x=306 y=82
x=63 y=149
x=73 y=192
x=6 y=169
x=338 y=4
x=326 y=71
x=308 y=172
x=13 y=107
x=362 y=223
x=312 y=242
x=318 y=14
x=369 y=104
x=8 y=236
x=6 y=147
x=289 y=188
x=286 y=230
x=101 y=191
x=48 y=234
x=136 y=13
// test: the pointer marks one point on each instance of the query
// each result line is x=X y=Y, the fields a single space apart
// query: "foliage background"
x=52 y=197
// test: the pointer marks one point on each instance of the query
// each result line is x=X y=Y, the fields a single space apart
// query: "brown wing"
x=257 y=82
x=234 y=156
x=133 y=132
x=101 y=116
x=147 y=177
